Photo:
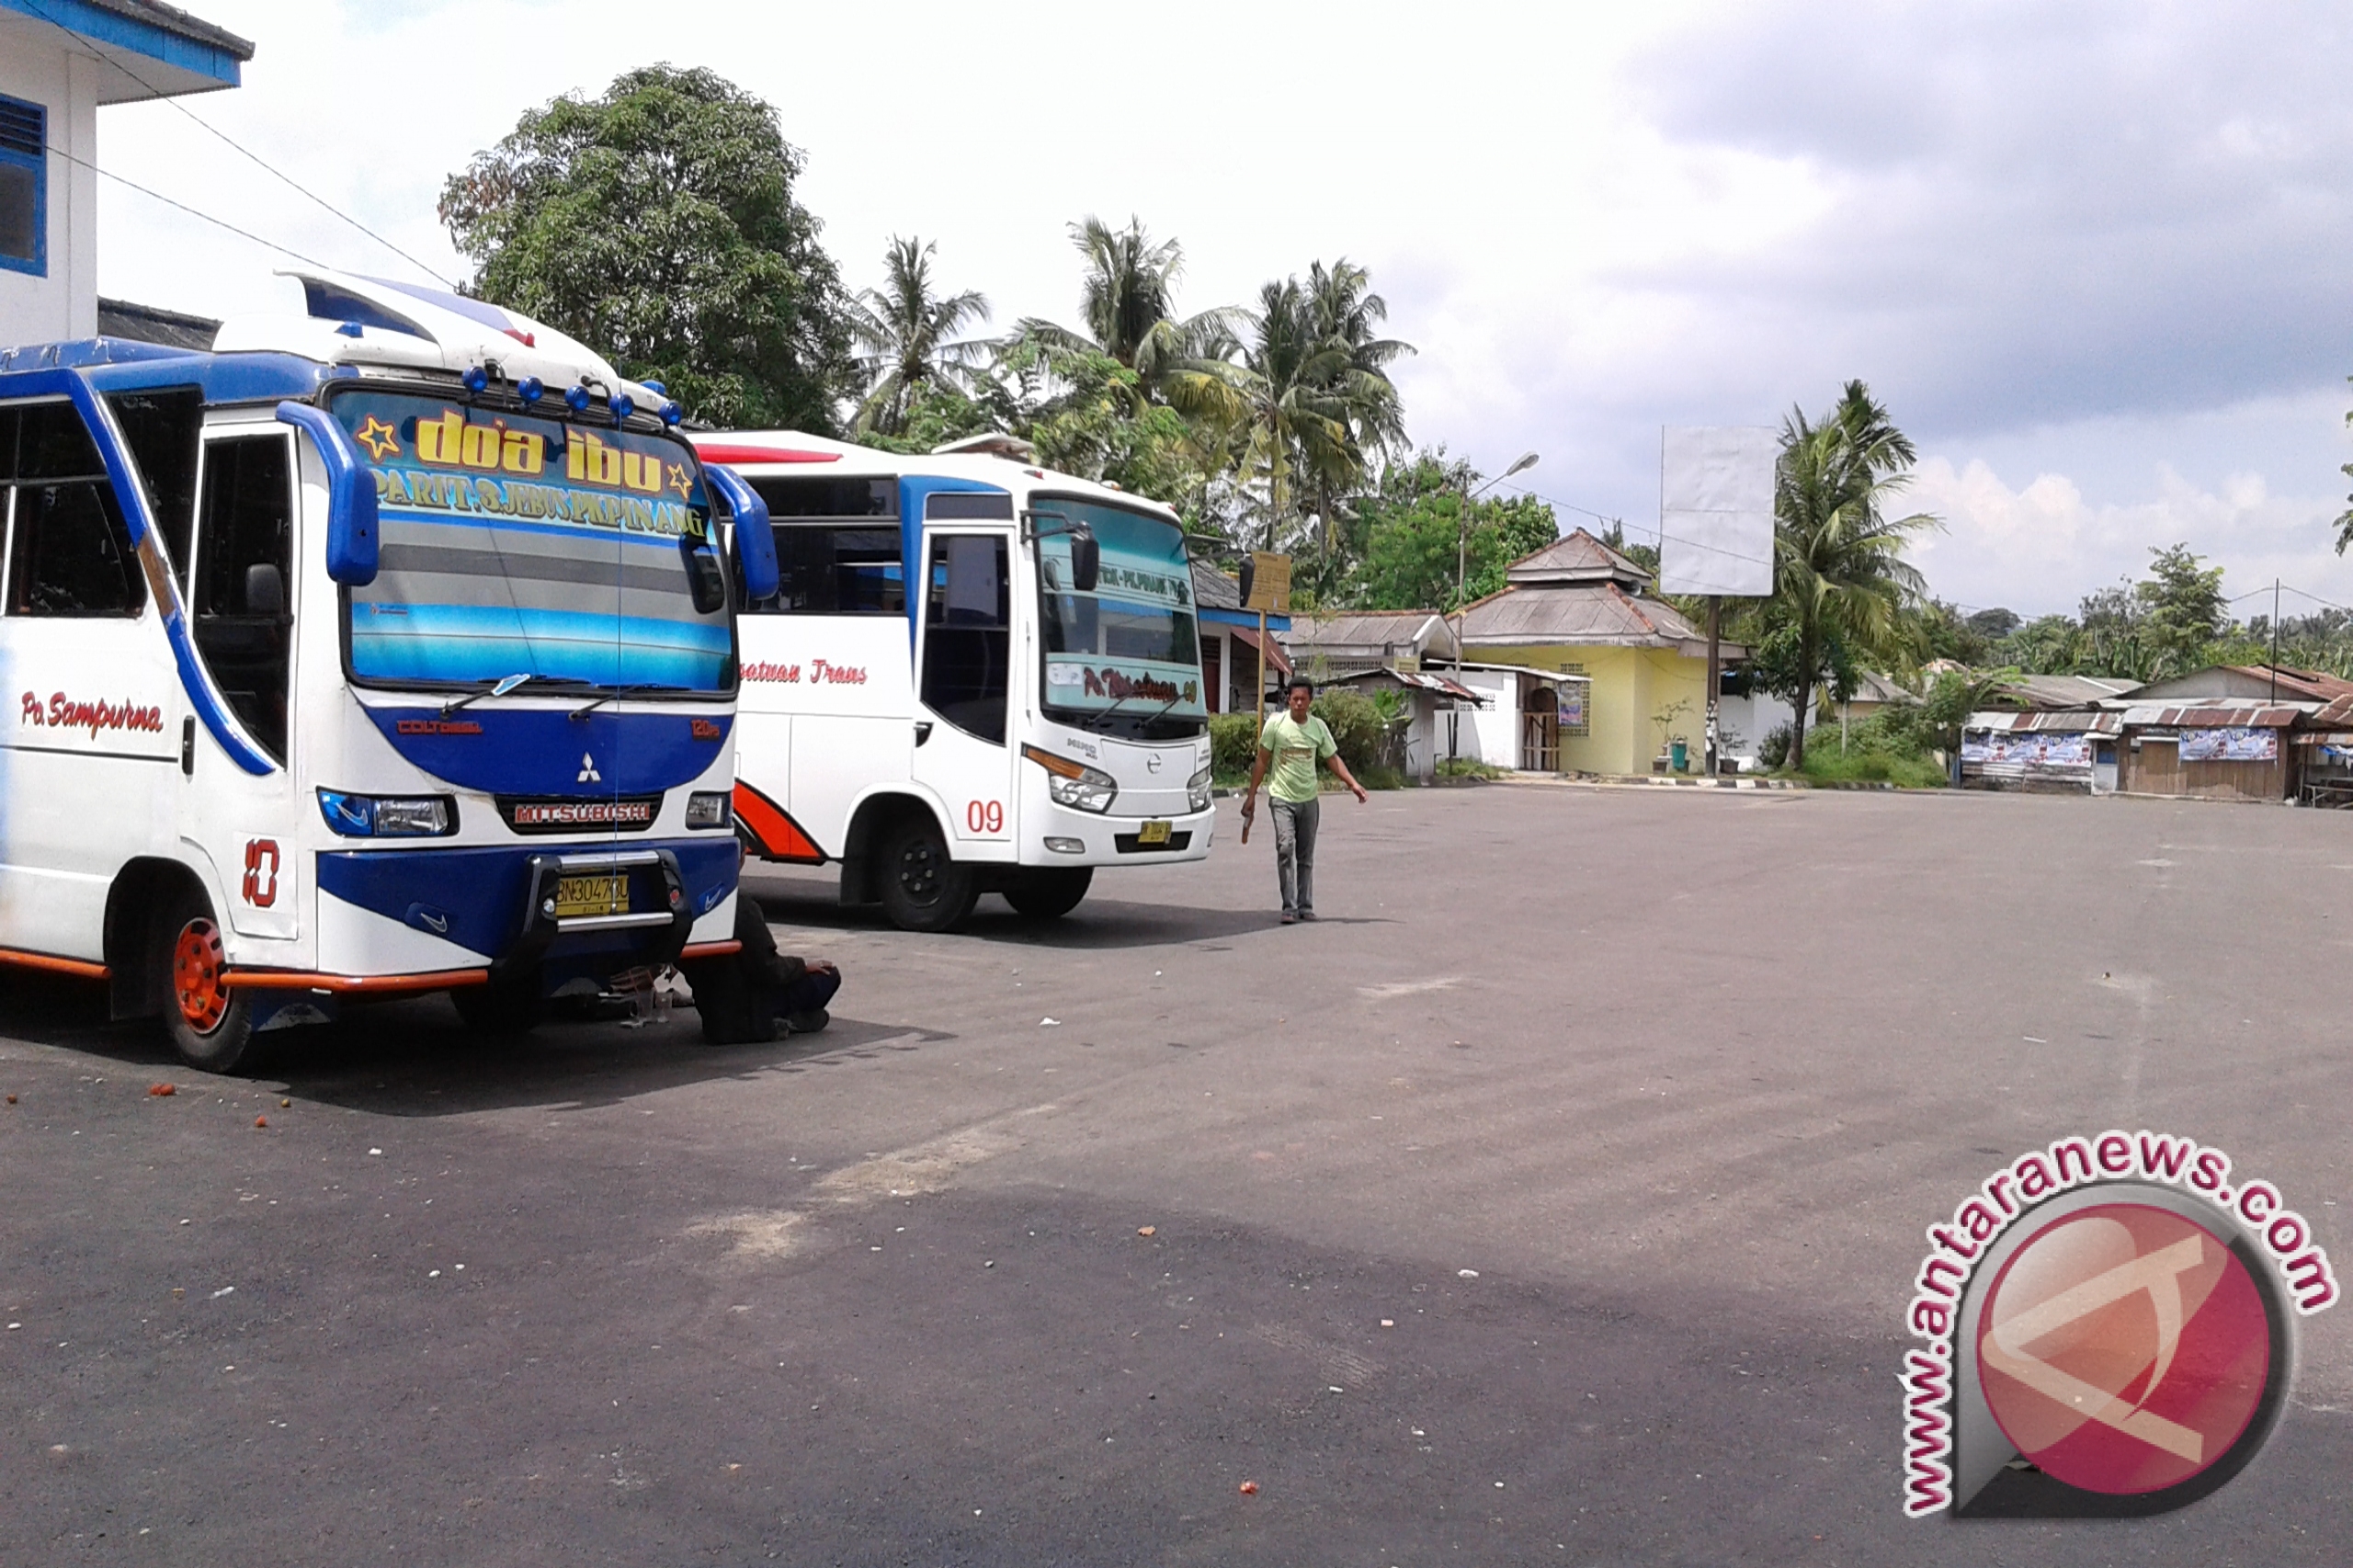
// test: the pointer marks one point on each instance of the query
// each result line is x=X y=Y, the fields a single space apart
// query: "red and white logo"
x=2123 y=1350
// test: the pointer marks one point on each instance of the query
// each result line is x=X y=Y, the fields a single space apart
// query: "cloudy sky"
x=2093 y=255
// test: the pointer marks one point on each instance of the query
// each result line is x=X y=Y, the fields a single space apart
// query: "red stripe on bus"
x=772 y=828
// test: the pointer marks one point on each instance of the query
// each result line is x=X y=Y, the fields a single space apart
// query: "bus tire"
x=509 y=1007
x=1050 y=894
x=923 y=888
x=210 y=1023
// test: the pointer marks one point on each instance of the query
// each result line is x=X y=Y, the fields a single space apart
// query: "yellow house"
x=1578 y=606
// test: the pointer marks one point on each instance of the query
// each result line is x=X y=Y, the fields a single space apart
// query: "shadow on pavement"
x=415 y=1057
x=1099 y=923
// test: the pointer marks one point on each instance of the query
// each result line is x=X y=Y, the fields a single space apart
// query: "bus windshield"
x=518 y=545
x=1131 y=647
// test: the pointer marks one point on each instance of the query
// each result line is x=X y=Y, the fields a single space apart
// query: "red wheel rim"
x=197 y=969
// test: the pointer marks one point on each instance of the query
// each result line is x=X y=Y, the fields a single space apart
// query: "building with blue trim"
x=60 y=60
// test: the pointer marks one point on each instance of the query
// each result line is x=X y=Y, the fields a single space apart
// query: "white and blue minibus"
x=975 y=676
x=383 y=649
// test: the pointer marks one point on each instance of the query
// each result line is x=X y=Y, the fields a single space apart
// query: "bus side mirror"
x=754 y=536
x=265 y=589
x=1086 y=563
x=351 y=494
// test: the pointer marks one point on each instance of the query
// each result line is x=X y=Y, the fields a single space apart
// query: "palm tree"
x=1127 y=300
x=907 y=336
x=1348 y=316
x=1290 y=402
x=1838 y=566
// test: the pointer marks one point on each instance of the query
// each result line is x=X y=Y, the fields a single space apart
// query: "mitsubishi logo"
x=588 y=774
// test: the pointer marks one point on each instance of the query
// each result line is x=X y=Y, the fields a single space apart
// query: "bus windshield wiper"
x=620 y=693
x=499 y=687
x=1117 y=704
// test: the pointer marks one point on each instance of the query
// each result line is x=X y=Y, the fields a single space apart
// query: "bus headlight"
x=707 y=808
x=1073 y=783
x=1196 y=791
x=379 y=816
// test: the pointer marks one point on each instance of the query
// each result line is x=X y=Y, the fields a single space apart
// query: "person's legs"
x=1287 y=853
x=1305 y=818
x=802 y=1006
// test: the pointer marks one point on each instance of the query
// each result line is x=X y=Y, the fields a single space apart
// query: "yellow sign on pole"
x=1268 y=587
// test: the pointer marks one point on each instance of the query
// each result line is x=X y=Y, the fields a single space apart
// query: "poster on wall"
x=2071 y=749
x=2230 y=744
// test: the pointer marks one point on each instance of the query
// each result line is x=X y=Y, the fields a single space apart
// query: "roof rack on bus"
x=994 y=444
x=359 y=321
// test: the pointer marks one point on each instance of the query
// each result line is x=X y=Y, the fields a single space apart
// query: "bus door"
x=90 y=678
x=964 y=672
x=241 y=589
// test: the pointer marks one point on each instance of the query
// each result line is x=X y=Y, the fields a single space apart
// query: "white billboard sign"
x=1716 y=510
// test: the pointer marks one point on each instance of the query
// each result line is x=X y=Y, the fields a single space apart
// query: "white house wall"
x=64 y=303
x=1493 y=733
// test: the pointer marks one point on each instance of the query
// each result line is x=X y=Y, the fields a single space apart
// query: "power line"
x=256 y=159
x=1619 y=522
x=168 y=202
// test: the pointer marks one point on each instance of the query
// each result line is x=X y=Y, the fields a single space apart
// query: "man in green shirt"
x=1293 y=742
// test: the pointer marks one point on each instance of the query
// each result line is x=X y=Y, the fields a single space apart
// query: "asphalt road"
x=1554 y=1199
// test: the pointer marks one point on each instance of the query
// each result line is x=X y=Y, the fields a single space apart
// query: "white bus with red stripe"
x=976 y=676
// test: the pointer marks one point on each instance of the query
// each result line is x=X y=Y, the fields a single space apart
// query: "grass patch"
x=1829 y=766
x=1467 y=768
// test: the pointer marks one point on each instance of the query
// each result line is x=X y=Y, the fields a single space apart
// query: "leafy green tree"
x=2183 y=610
x=657 y=222
x=1839 y=576
x=1415 y=521
x=906 y=337
x=2048 y=645
x=1995 y=624
x=1946 y=633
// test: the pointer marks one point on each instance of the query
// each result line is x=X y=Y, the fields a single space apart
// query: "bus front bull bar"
x=542 y=925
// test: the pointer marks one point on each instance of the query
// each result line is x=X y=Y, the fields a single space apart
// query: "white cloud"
x=2105 y=240
x=2039 y=547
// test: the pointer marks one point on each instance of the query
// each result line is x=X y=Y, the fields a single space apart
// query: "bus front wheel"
x=923 y=888
x=1050 y=894
x=210 y=1023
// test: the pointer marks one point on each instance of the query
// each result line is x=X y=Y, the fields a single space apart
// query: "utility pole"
x=2275 y=639
x=1715 y=675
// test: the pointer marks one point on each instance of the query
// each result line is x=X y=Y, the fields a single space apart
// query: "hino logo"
x=1151 y=762
x=588 y=774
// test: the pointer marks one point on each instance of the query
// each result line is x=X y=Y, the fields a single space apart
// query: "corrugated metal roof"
x=1372 y=633
x=1580 y=612
x=2064 y=691
x=1579 y=558
x=2046 y=721
x=1213 y=588
x=2247 y=716
x=2248 y=683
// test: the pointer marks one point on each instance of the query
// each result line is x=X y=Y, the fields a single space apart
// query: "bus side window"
x=70 y=550
x=243 y=570
x=824 y=569
x=160 y=427
x=968 y=636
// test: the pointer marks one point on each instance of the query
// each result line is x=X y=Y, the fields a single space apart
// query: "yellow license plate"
x=606 y=893
x=1153 y=832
